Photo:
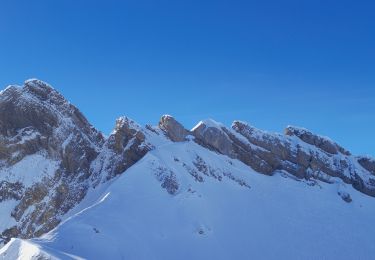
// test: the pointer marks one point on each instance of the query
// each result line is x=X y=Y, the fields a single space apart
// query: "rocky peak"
x=125 y=131
x=126 y=145
x=213 y=135
x=252 y=133
x=46 y=140
x=40 y=89
x=41 y=107
x=173 y=129
x=321 y=142
x=126 y=124
x=50 y=155
x=299 y=153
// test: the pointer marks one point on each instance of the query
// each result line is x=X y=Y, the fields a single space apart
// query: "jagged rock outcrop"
x=125 y=146
x=47 y=153
x=37 y=117
x=209 y=133
x=367 y=163
x=226 y=141
x=322 y=143
x=50 y=155
x=40 y=127
x=173 y=129
x=299 y=152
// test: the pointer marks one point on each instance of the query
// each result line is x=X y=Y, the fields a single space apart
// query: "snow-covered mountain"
x=165 y=192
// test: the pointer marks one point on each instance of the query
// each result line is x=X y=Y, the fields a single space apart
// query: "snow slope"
x=18 y=249
x=182 y=201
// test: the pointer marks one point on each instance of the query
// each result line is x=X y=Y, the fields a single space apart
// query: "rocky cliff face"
x=50 y=156
x=40 y=127
x=299 y=153
x=173 y=129
x=126 y=145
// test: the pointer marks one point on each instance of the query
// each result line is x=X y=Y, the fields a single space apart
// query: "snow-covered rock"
x=50 y=156
x=46 y=147
x=173 y=129
x=368 y=163
x=321 y=142
x=127 y=144
x=212 y=134
x=182 y=201
x=165 y=192
x=299 y=153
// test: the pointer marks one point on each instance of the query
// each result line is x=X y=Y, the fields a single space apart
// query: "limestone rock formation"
x=210 y=133
x=299 y=153
x=51 y=156
x=322 y=143
x=173 y=129
x=125 y=146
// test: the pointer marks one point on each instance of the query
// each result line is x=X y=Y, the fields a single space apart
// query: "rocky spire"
x=45 y=139
x=173 y=129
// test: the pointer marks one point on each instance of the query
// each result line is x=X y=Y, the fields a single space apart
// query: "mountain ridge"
x=52 y=158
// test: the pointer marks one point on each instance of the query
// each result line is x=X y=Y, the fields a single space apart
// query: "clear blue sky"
x=270 y=63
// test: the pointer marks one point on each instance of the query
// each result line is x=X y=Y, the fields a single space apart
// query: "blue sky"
x=270 y=63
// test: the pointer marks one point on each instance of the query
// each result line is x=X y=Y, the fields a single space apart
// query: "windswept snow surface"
x=208 y=123
x=18 y=249
x=182 y=201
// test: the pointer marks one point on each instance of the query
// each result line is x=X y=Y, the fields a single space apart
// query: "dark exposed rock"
x=36 y=119
x=124 y=147
x=10 y=233
x=367 y=163
x=298 y=159
x=9 y=191
x=168 y=180
x=321 y=142
x=217 y=137
x=269 y=152
x=345 y=196
x=170 y=184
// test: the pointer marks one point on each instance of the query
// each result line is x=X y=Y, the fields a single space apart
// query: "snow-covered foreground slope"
x=18 y=249
x=182 y=201
x=165 y=192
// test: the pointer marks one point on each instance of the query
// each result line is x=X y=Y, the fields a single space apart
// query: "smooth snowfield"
x=214 y=218
x=18 y=249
